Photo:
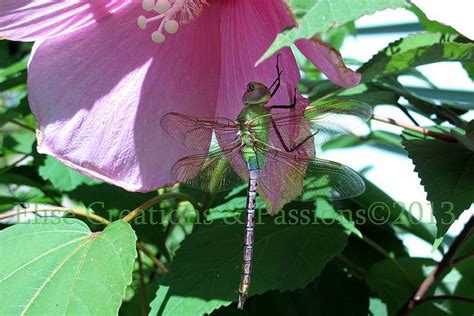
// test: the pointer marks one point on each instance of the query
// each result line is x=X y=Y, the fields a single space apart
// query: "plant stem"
x=155 y=260
x=143 y=304
x=384 y=253
x=462 y=258
x=78 y=212
x=418 y=129
x=358 y=271
x=9 y=167
x=6 y=118
x=156 y=200
x=449 y=297
x=444 y=264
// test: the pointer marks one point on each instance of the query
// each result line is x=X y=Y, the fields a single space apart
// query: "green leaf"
x=58 y=267
x=381 y=209
x=431 y=26
x=318 y=16
x=416 y=50
x=468 y=138
x=392 y=285
x=381 y=139
x=469 y=67
x=446 y=171
x=327 y=213
x=206 y=271
x=62 y=177
x=20 y=142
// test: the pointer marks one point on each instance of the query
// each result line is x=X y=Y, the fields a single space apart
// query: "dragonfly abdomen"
x=249 y=235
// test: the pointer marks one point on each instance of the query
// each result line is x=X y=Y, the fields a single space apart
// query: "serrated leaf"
x=431 y=26
x=206 y=271
x=446 y=171
x=318 y=16
x=454 y=14
x=62 y=177
x=59 y=267
x=416 y=50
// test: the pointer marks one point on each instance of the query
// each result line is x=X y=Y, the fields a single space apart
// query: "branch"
x=384 y=253
x=155 y=260
x=143 y=304
x=78 y=212
x=449 y=297
x=358 y=271
x=157 y=199
x=418 y=129
x=444 y=264
x=6 y=118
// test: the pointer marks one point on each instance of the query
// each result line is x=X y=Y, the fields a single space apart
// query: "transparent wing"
x=196 y=132
x=325 y=121
x=219 y=170
x=285 y=173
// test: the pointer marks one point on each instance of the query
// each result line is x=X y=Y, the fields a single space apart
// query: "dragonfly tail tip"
x=242 y=299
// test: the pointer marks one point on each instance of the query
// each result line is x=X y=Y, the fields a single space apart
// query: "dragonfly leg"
x=282 y=141
x=277 y=81
x=285 y=106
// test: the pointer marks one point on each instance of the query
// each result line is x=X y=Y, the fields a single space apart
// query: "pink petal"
x=329 y=61
x=99 y=94
x=29 y=20
x=247 y=29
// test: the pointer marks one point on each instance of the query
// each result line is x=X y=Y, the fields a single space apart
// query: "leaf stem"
x=156 y=200
x=449 y=297
x=143 y=304
x=418 y=129
x=156 y=261
x=14 y=164
x=444 y=264
x=6 y=118
x=358 y=271
x=384 y=253
x=78 y=212
x=462 y=258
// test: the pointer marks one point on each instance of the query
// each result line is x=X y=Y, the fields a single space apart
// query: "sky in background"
x=394 y=173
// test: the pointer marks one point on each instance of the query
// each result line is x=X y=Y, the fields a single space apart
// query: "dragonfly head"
x=256 y=93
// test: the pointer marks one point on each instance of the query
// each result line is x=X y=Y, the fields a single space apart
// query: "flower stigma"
x=171 y=14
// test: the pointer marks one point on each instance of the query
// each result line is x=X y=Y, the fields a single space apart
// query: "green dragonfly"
x=270 y=151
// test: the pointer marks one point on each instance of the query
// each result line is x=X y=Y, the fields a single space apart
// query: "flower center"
x=171 y=14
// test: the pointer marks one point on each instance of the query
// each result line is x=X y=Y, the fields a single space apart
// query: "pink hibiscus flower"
x=104 y=72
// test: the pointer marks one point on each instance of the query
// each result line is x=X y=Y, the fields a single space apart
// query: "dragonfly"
x=257 y=145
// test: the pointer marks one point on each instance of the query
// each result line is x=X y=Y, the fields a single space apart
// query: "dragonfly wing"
x=327 y=178
x=325 y=121
x=219 y=170
x=338 y=117
x=196 y=132
x=283 y=176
